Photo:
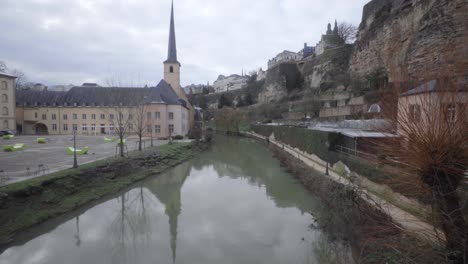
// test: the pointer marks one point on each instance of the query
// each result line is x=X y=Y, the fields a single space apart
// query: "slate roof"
x=100 y=96
x=7 y=75
x=434 y=86
x=163 y=93
x=430 y=86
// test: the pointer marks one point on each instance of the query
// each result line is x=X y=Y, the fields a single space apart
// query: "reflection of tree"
x=77 y=235
x=131 y=227
x=246 y=158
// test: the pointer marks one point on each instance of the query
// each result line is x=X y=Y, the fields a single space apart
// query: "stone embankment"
x=406 y=220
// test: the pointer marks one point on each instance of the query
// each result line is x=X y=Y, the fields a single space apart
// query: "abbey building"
x=92 y=110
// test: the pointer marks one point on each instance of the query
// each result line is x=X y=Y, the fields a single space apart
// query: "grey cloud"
x=75 y=41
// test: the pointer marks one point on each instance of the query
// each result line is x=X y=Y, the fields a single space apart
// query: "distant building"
x=92 y=109
x=330 y=40
x=261 y=74
x=284 y=57
x=7 y=101
x=229 y=83
x=307 y=51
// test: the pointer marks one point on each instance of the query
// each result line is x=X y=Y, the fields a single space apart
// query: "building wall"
x=53 y=118
x=180 y=121
x=7 y=103
x=432 y=106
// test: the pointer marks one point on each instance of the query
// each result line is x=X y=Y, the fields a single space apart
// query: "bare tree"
x=347 y=32
x=21 y=79
x=230 y=120
x=140 y=122
x=432 y=124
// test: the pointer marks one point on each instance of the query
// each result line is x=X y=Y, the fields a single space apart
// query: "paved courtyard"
x=39 y=159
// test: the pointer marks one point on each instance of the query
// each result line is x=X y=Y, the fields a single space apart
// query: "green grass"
x=33 y=201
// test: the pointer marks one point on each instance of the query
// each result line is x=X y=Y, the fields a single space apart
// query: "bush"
x=8 y=148
x=179 y=137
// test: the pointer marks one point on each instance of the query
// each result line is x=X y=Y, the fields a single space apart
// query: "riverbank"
x=378 y=231
x=28 y=203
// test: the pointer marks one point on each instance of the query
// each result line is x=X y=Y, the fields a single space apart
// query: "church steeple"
x=172 y=47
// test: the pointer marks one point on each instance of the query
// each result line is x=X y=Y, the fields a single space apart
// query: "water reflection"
x=233 y=204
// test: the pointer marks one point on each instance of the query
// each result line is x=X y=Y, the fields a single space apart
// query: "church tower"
x=171 y=65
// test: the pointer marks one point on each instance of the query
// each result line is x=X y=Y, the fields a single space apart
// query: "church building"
x=93 y=110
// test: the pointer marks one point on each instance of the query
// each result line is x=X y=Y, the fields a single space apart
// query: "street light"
x=75 y=162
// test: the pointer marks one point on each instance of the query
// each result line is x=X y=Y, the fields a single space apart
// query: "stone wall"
x=415 y=39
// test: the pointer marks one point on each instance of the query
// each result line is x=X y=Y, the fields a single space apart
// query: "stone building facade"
x=7 y=101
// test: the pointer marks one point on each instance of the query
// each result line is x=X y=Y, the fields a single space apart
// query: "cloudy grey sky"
x=76 y=41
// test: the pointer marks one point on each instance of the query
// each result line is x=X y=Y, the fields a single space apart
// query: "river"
x=232 y=204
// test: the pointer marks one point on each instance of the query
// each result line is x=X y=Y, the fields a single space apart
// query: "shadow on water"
x=216 y=207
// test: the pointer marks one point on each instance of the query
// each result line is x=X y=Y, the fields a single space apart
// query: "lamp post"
x=75 y=162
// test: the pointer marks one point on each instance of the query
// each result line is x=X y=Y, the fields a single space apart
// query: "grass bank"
x=345 y=216
x=28 y=203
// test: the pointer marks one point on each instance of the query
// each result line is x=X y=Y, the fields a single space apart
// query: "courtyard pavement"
x=39 y=159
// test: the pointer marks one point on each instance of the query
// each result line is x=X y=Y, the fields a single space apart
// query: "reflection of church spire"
x=173 y=208
x=167 y=189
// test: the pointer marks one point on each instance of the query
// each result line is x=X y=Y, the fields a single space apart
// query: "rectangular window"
x=44 y=116
x=93 y=127
x=35 y=115
x=157 y=115
x=65 y=127
x=93 y=116
x=75 y=127
x=75 y=116
x=148 y=128
x=84 y=116
x=54 y=116
x=84 y=127
x=65 y=116
x=111 y=128
x=450 y=112
x=130 y=117
x=171 y=116
x=111 y=116
x=148 y=115
x=130 y=126
x=157 y=129
x=103 y=116
x=415 y=113
x=171 y=129
x=54 y=127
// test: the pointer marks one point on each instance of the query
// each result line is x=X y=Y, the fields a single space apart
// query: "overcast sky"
x=76 y=41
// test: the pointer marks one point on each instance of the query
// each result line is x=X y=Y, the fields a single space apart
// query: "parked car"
x=6 y=132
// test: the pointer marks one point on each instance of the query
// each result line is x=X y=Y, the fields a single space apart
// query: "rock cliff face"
x=413 y=39
x=279 y=81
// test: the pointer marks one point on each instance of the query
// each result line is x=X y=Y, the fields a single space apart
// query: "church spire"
x=172 y=49
x=335 y=29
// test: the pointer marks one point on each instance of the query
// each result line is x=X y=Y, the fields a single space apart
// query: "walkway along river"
x=232 y=204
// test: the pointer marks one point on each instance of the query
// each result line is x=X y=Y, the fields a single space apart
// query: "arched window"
x=171 y=69
x=5 y=111
x=4 y=98
x=4 y=85
x=5 y=124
